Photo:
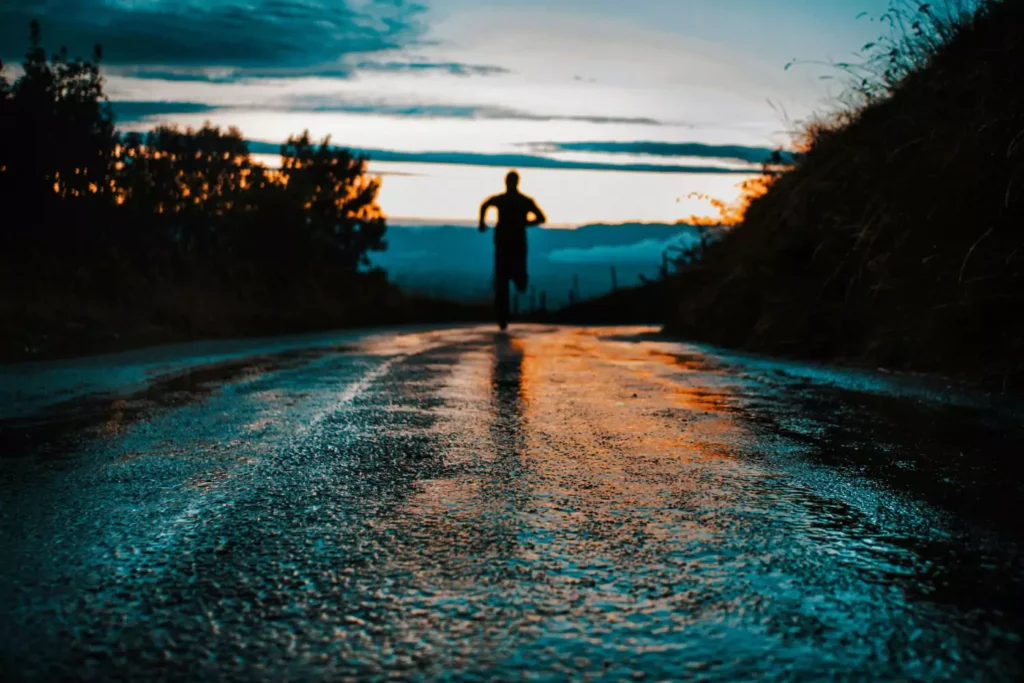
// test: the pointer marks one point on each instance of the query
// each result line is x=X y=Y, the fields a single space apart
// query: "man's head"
x=512 y=181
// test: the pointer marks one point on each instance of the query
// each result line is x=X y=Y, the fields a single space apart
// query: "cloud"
x=222 y=74
x=211 y=75
x=445 y=111
x=127 y=110
x=244 y=34
x=316 y=103
x=453 y=68
x=754 y=155
x=509 y=161
x=340 y=69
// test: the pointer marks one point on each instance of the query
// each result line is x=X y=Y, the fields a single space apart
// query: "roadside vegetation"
x=112 y=240
x=896 y=239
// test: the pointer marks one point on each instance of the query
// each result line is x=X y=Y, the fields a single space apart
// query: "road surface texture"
x=459 y=504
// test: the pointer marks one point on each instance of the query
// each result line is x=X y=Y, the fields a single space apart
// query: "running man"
x=516 y=212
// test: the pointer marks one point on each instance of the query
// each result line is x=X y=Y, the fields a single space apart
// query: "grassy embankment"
x=897 y=239
x=60 y=319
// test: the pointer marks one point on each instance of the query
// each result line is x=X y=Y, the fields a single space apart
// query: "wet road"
x=552 y=504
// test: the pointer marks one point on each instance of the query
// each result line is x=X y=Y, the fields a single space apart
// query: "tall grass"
x=911 y=34
x=895 y=238
x=916 y=32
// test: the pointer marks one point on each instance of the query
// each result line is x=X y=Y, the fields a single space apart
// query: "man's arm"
x=538 y=216
x=483 y=213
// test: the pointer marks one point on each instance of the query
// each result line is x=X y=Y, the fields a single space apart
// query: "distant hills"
x=456 y=261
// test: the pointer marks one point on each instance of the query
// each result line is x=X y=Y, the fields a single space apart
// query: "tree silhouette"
x=330 y=187
x=90 y=209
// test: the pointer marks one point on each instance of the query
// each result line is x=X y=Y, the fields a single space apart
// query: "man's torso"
x=513 y=215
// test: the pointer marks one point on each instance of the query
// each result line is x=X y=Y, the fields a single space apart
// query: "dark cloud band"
x=228 y=75
x=136 y=112
x=139 y=111
x=339 y=69
x=512 y=161
x=453 y=68
x=448 y=111
x=229 y=33
x=753 y=155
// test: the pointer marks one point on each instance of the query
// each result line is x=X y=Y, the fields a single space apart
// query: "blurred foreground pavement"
x=459 y=504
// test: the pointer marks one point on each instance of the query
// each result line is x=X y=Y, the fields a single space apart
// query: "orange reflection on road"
x=616 y=442
x=561 y=443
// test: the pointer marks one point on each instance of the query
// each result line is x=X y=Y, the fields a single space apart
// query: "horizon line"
x=415 y=222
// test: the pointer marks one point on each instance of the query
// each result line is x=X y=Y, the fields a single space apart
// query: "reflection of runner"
x=514 y=211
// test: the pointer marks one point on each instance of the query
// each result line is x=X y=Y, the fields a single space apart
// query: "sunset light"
x=501 y=81
x=511 y=340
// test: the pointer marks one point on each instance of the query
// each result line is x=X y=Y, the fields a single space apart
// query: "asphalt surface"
x=459 y=504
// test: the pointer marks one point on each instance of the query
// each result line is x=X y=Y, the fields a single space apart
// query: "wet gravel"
x=551 y=504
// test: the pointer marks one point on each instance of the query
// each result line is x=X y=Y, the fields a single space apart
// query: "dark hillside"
x=898 y=239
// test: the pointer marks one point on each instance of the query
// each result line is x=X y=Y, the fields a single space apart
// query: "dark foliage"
x=898 y=238
x=179 y=232
x=642 y=305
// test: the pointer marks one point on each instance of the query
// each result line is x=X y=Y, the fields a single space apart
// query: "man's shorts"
x=510 y=264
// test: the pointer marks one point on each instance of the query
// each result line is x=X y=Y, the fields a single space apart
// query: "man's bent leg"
x=515 y=264
x=520 y=279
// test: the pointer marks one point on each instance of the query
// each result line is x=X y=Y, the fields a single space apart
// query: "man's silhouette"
x=514 y=216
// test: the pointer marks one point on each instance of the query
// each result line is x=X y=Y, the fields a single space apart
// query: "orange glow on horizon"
x=732 y=213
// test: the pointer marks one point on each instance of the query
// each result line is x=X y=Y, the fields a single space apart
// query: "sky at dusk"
x=613 y=110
